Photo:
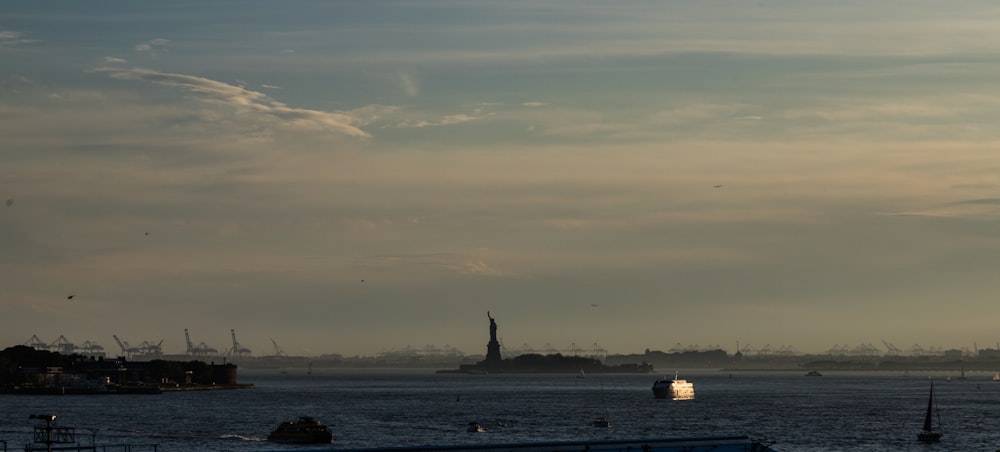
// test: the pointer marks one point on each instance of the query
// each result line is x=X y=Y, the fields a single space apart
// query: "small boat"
x=474 y=427
x=930 y=434
x=305 y=430
x=602 y=422
x=813 y=373
x=675 y=389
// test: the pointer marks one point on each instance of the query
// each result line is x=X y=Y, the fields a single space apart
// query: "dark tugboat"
x=306 y=430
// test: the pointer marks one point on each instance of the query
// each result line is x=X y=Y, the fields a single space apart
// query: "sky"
x=356 y=177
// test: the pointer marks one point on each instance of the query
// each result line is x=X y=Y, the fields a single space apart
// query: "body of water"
x=368 y=408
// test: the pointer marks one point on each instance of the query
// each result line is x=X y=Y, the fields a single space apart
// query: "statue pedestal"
x=493 y=353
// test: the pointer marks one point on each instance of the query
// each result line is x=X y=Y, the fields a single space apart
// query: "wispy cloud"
x=9 y=38
x=866 y=109
x=981 y=201
x=410 y=85
x=455 y=263
x=967 y=208
x=444 y=121
x=479 y=267
x=220 y=93
x=152 y=45
x=700 y=112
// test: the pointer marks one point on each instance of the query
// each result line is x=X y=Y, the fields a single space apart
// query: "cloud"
x=981 y=201
x=409 y=84
x=700 y=112
x=114 y=60
x=973 y=186
x=968 y=208
x=861 y=110
x=152 y=45
x=444 y=121
x=16 y=84
x=10 y=38
x=369 y=114
x=533 y=104
x=220 y=93
x=479 y=267
x=428 y=264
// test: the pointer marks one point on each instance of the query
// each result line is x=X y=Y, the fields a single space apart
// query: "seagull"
x=70 y=297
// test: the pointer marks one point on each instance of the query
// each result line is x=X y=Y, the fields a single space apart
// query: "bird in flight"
x=717 y=186
x=70 y=297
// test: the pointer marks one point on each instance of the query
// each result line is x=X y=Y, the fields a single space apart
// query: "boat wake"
x=244 y=438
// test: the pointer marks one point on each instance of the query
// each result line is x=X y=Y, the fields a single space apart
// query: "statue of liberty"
x=493 y=327
x=493 y=348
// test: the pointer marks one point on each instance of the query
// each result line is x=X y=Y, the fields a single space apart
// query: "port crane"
x=150 y=349
x=201 y=349
x=127 y=350
x=36 y=343
x=237 y=351
x=892 y=349
x=91 y=348
x=277 y=350
x=63 y=345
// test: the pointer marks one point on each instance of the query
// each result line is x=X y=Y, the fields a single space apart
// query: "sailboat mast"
x=930 y=409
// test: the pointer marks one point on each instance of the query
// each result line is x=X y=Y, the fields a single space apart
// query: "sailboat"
x=929 y=433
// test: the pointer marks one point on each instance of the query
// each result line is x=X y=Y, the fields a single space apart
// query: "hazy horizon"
x=352 y=177
x=263 y=348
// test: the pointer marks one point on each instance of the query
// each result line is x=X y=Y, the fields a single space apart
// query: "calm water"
x=836 y=412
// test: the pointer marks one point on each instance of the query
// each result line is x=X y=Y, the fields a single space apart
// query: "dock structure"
x=733 y=443
x=49 y=437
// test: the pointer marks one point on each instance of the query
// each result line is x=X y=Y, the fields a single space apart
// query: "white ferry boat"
x=675 y=388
